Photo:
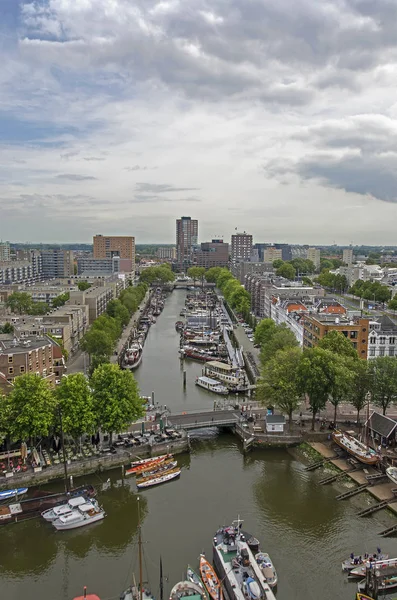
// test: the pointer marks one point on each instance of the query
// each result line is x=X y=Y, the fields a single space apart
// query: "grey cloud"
x=139 y=168
x=75 y=177
x=147 y=198
x=160 y=188
x=93 y=158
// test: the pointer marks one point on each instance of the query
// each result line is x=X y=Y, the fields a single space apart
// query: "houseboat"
x=212 y=385
x=231 y=376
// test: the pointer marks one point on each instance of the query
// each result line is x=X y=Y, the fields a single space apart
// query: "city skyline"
x=283 y=122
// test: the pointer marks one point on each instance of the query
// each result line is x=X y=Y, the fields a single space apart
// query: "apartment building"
x=121 y=246
x=241 y=247
x=186 y=241
x=382 y=338
x=22 y=271
x=272 y=253
x=166 y=253
x=57 y=263
x=356 y=329
x=96 y=298
x=212 y=254
x=241 y=269
x=28 y=356
x=5 y=252
x=347 y=256
x=89 y=266
x=313 y=254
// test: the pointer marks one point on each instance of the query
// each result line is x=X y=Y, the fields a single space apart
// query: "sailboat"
x=138 y=592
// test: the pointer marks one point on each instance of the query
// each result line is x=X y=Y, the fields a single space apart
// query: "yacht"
x=64 y=509
x=212 y=385
x=89 y=512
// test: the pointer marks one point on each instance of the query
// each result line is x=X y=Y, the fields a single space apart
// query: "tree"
x=286 y=270
x=39 y=308
x=97 y=342
x=7 y=328
x=326 y=264
x=337 y=343
x=316 y=376
x=342 y=380
x=383 y=381
x=118 y=311
x=212 y=274
x=196 y=273
x=277 y=263
x=31 y=407
x=279 y=384
x=109 y=325
x=307 y=281
x=116 y=399
x=60 y=300
x=83 y=285
x=281 y=339
x=360 y=386
x=76 y=404
x=393 y=303
x=264 y=331
x=157 y=275
x=223 y=277
x=19 y=302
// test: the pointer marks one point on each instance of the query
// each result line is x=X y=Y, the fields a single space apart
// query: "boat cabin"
x=275 y=423
x=382 y=430
x=223 y=371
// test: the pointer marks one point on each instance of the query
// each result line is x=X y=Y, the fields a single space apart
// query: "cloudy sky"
x=118 y=116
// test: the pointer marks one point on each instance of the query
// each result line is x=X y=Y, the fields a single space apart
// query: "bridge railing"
x=205 y=424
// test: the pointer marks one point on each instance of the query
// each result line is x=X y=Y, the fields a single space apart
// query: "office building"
x=313 y=254
x=286 y=251
x=241 y=247
x=107 y=246
x=88 y=266
x=57 y=263
x=272 y=253
x=212 y=254
x=186 y=241
x=5 y=254
x=347 y=256
x=166 y=253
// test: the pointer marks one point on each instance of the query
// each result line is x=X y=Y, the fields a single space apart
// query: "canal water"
x=306 y=531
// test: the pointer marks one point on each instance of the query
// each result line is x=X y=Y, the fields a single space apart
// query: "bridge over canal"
x=201 y=420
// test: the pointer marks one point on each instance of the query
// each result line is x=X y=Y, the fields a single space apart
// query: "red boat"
x=146 y=464
x=87 y=596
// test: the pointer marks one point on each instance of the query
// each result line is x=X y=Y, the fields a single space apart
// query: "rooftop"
x=10 y=345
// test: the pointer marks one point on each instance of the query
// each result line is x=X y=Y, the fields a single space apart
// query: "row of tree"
x=22 y=303
x=236 y=296
x=157 y=275
x=291 y=268
x=100 y=340
x=370 y=290
x=110 y=401
x=330 y=372
x=337 y=283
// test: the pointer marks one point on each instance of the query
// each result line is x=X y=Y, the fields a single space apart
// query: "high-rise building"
x=109 y=246
x=212 y=254
x=313 y=254
x=186 y=240
x=57 y=263
x=166 y=253
x=348 y=257
x=286 y=251
x=271 y=254
x=5 y=254
x=241 y=247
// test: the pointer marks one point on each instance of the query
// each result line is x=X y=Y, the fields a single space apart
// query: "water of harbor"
x=305 y=530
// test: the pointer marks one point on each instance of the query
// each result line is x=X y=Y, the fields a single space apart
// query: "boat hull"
x=59 y=526
x=159 y=480
x=9 y=494
x=367 y=460
x=210 y=579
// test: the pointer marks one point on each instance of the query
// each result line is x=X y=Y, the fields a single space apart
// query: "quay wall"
x=94 y=465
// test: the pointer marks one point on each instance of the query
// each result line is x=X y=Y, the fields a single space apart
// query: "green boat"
x=194 y=578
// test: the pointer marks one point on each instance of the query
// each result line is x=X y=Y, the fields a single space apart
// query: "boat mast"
x=140 y=553
x=65 y=466
x=161 y=580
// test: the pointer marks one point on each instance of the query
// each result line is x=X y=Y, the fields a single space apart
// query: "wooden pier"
x=354 y=492
x=319 y=463
x=369 y=511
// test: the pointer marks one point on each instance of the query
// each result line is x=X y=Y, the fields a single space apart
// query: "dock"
x=354 y=492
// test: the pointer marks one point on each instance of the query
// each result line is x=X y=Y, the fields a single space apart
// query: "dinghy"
x=6 y=494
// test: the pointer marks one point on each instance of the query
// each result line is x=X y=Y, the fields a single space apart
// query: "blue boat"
x=6 y=494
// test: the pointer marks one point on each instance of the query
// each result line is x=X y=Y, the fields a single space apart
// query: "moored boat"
x=188 y=590
x=194 y=578
x=86 y=596
x=391 y=472
x=268 y=570
x=164 y=478
x=358 y=449
x=54 y=513
x=160 y=470
x=212 y=385
x=8 y=494
x=363 y=597
x=359 y=570
x=210 y=579
x=148 y=461
x=133 y=356
x=355 y=560
x=85 y=514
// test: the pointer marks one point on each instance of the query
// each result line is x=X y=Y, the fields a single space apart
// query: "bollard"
x=184 y=378
x=71 y=481
x=122 y=474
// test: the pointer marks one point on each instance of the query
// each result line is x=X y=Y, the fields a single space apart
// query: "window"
x=353 y=335
x=10 y=358
x=372 y=351
x=391 y=351
x=372 y=340
x=381 y=351
x=10 y=370
x=382 y=340
x=22 y=369
x=392 y=341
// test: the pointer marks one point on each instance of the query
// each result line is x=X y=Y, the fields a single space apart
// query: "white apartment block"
x=382 y=338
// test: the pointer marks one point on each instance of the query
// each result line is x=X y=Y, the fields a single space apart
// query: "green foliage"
x=278 y=263
x=7 y=328
x=116 y=399
x=326 y=264
x=361 y=385
x=279 y=384
x=393 y=303
x=302 y=265
x=371 y=290
x=109 y=325
x=286 y=270
x=264 y=331
x=60 y=300
x=235 y=294
x=307 y=281
x=337 y=343
x=383 y=381
x=281 y=339
x=337 y=283
x=76 y=404
x=342 y=381
x=83 y=286
x=39 y=308
x=19 y=302
x=157 y=275
x=196 y=273
x=97 y=342
x=118 y=311
x=31 y=406
x=223 y=277
x=212 y=274
x=336 y=263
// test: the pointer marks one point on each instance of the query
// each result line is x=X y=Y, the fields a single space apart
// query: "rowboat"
x=361 y=451
x=158 y=471
x=210 y=579
x=160 y=479
x=152 y=459
x=6 y=494
x=148 y=465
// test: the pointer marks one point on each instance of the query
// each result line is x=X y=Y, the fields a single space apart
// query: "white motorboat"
x=359 y=570
x=161 y=479
x=391 y=472
x=64 y=509
x=265 y=563
x=89 y=512
x=212 y=385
